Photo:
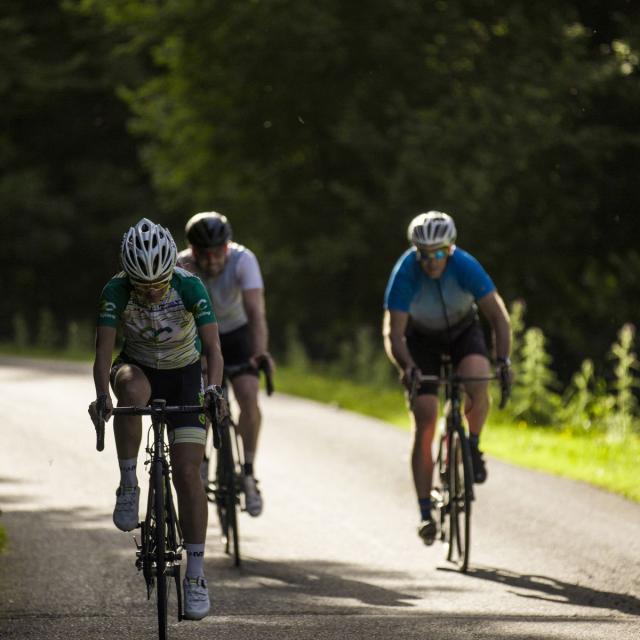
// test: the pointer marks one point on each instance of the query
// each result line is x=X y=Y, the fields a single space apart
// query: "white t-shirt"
x=241 y=272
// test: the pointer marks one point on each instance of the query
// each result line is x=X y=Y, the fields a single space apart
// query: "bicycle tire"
x=439 y=490
x=460 y=516
x=174 y=543
x=231 y=494
x=162 y=592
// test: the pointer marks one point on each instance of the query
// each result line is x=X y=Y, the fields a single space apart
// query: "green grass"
x=3 y=539
x=383 y=402
x=592 y=458
x=588 y=457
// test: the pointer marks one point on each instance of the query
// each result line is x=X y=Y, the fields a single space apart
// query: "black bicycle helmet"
x=208 y=229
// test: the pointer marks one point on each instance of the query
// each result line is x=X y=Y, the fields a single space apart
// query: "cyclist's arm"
x=494 y=309
x=211 y=351
x=105 y=343
x=253 y=301
x=394 y=325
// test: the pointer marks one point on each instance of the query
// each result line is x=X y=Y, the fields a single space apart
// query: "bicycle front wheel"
x=460 y=491
x=162 y=584
x=232 y=493
x=227 y=497
x=440 y=489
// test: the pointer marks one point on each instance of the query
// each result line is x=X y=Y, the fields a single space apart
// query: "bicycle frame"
x=227 y=489
x=159 y=551
x=452 y=494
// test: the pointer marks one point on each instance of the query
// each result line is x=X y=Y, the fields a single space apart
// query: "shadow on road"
x=557 y=591
x=77 y=581
x=314 y=582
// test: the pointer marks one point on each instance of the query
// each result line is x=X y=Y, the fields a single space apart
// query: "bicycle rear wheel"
x=461 y=491
x=162 y=584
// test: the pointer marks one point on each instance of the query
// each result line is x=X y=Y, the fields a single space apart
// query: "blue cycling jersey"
x=411 y=290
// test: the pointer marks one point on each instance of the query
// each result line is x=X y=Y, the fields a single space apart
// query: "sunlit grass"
x=593 y=458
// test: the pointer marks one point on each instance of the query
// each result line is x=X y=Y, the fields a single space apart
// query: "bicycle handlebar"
x=416 y=381
x=156 y=408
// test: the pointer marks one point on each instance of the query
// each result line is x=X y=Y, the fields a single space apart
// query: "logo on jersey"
x=107 y=309
x=156 y=335
x=201 y=308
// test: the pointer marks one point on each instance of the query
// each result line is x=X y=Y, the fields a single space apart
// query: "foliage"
x=533 y=396
x=586 y=403
x=321 y=128
x=626 y=404
x=69 y=177
x=361 y=359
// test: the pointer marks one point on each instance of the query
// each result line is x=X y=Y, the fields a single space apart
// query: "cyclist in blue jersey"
x=167 y=322
x=431 y=309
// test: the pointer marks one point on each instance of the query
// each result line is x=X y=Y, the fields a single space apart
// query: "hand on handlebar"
x=101 y=408
x=263 y=361
x=216 y=409
x=505 y=374
x=410 y=377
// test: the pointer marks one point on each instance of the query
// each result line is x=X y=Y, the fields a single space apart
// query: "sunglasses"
x=437 y=254
x=151 y=287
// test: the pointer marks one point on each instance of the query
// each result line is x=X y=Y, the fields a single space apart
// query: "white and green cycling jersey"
x=160 y=335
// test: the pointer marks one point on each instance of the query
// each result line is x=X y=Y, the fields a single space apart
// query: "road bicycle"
x=452 y=492
x=159 y=551
x=226 y=489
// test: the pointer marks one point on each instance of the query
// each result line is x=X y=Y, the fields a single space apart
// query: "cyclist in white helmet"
x=167 y=322
x=431 y=309
x=232 y=276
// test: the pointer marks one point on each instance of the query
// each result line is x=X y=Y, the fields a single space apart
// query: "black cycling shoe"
x=479 y=468
x=427 y=531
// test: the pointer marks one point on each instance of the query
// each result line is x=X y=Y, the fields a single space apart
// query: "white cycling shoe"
x=196 y=598
x=125 y=515
x=252 y=497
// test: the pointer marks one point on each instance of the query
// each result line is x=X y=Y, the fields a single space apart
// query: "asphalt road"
x=335 y=554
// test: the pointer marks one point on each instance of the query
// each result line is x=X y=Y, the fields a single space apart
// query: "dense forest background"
x=321 y=128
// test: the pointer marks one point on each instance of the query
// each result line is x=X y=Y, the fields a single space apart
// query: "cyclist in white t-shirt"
x=231 y=274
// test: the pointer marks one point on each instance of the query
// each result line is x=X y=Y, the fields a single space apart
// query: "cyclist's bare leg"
x=192 y=500
x=245 y=390
x=132 y=388
x=425 y=415
x=477 y=400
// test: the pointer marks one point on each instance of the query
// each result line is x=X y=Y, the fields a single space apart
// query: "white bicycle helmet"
x=432 y=228
x=148 y=252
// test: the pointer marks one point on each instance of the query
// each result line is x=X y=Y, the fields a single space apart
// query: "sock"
x=474 y=440
x=425 y=508
x=128 y=477
x=195 y=560
x=248 y=468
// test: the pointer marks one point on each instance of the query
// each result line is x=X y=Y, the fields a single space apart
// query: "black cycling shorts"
x=176 y=386
x=427 y=351
x=236 y=351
